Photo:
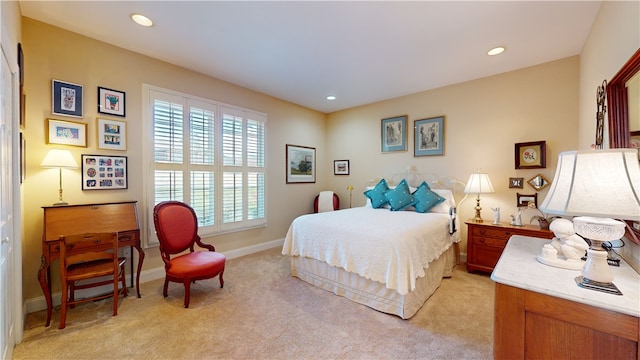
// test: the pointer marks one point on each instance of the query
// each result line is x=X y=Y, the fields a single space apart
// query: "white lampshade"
x=597 y=183
x=57 y=158
x=479 y=183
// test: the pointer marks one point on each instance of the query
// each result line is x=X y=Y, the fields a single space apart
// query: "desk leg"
x=140 y=260
x=44 y=277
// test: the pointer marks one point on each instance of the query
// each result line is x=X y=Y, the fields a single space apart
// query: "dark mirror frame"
x=618 y=109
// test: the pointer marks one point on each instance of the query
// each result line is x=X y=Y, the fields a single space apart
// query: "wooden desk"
x=121 y=217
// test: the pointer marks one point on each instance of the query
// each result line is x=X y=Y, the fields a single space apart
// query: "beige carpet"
x=264 y=313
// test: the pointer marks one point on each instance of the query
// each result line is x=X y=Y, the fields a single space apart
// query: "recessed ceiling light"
x=141 y=20
x=331 y=97
x=496 y=51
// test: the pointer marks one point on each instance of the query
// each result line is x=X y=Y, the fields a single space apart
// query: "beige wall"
x=483 y=120
x=52 y=53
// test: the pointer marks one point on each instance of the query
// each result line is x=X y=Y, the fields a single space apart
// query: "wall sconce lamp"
x=599 y=187
x=350 y=188
x=479 y=183
x=60 y=159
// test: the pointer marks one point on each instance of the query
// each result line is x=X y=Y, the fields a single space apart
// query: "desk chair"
x=76 y=265
x=176 y=225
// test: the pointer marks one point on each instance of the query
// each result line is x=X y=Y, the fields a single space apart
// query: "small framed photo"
x=340 y=167
x=66 y=99
x=66 y=133
x=524 y=199
x=111 y=102
x=429 y=136
x=516 y=183
x=112 y=134
x=531 y=155
x=300 y=164
x=104 y=172
x=393 y=134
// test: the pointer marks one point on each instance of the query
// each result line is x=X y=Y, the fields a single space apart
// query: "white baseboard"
x=39 y=303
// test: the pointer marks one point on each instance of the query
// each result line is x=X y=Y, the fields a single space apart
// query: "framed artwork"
x=66 y=132
x=429 y=136
x=340 y=167
x=112 y=134
x=393 y=134
x=531 y=155
x=66 y=98
x=523 y=199
x=516 y=183
x=111 y=102
x=104 y=172
x=300 y=164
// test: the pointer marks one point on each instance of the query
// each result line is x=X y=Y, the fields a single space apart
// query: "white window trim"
x=147 y=158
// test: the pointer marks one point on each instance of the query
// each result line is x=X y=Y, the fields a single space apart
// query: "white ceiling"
x=360 y=51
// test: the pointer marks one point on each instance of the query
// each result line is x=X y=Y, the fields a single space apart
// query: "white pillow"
x=448 y=202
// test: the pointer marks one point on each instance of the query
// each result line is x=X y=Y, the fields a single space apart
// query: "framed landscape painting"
x=300 y=164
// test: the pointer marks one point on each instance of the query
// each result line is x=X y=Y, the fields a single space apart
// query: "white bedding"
x=389 y=247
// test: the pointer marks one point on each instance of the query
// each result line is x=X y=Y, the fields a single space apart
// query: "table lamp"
x=599 y=187
x=60 y=159
x=479 y=183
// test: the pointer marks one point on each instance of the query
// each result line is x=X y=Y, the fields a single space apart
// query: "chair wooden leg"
x=221 y=279
x=166 y=287
x=187 y=292
x=123 y=278
x=72 y=293
x=116 y=294
x=63 y=309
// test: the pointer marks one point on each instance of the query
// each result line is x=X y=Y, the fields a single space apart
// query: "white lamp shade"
x=479 y=183
x=57 y=158
x=597 y=183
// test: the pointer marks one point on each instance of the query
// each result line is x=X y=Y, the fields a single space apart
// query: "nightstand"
x=486 y=241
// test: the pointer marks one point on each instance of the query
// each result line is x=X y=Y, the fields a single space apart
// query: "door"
x=7 y=283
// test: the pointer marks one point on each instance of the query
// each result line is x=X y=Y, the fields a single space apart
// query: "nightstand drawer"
x=492 y=232
x=489 y=241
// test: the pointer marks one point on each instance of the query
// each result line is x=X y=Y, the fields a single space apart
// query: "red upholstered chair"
x=316 y=201
x=177 y=229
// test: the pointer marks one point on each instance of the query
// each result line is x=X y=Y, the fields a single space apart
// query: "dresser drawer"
x=489 y=241
x=492 y=233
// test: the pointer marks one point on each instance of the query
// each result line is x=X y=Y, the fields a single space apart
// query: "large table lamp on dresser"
x=599 y=188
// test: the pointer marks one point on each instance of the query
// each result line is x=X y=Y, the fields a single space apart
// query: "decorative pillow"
x=426 y=199
x=376 y=195
x=400 y=198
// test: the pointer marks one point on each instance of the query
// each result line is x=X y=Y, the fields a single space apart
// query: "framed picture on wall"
x=429 y=136
x=111 y=102
x=393 y=134
x=104 y=172
x=66 y=98
x=66 y=132
x=340 y=167
x=112 y=134
x=531 y=155
x=300 y=164
x=524 y=199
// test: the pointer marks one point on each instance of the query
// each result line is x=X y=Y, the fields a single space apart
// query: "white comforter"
x=390 y=247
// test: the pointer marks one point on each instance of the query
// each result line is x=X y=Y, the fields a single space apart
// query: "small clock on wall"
x=531 y=155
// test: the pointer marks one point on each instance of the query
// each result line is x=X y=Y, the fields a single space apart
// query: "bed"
x=389 y=258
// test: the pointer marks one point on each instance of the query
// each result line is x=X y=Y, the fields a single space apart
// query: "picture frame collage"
x=99 y=172
x=428 y=135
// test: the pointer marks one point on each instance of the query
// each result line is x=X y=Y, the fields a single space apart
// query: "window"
x=208 y=155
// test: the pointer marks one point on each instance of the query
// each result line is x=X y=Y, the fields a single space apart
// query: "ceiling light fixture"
x=331 y=97
x=141 y=20
x=496 y=51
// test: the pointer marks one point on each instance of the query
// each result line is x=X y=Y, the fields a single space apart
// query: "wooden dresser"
x=485 y=242
x=541 y=313
x=121 y=217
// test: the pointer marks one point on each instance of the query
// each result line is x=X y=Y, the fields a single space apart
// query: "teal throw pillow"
x=376 y=195
x=425 y=198
x=400 y=198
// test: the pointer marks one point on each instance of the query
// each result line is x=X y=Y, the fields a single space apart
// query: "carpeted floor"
x=264 y=313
